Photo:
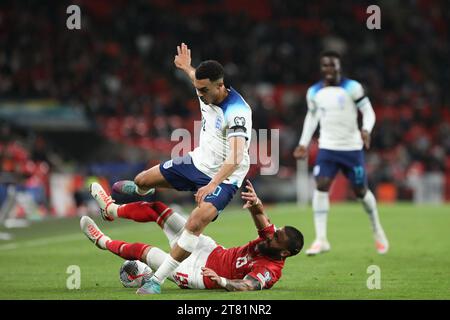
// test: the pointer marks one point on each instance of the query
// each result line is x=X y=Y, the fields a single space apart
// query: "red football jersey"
x=237 y=262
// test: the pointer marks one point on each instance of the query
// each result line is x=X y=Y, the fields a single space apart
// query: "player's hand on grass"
x=204 y=191
x=300 y=152
x=365 y=135
x=250 y=196
x=183 y=58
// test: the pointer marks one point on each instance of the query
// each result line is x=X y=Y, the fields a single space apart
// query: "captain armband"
x=234 y=129
x=237 y=131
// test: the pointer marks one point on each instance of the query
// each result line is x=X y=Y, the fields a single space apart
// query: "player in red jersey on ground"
x=253 y=266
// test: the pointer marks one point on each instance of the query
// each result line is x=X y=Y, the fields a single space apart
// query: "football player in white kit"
x=334 y=103
x=215 y=169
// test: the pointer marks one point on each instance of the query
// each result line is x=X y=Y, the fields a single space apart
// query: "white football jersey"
x=232 y=117
x=337 y=109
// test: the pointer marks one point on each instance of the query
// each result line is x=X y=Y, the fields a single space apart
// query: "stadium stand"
x=118 y=69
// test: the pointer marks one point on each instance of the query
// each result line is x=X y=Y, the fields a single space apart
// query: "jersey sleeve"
x=267 y=232
x=310 y=100
x=309 y=127
x=266 y=272
x=357 y=94
x=238 y=118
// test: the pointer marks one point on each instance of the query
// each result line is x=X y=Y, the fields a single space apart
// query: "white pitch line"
x=57 y=239
x=41 y=242
x=8 y=246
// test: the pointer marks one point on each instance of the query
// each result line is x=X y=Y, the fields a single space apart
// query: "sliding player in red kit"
x=253 y=266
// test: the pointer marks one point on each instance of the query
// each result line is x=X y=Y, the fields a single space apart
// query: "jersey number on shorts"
x=215 y=193
x=359 y=174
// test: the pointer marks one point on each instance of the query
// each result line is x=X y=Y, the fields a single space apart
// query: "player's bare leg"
x=321 y=206
x=144 y=183
x=200 y=217
x=370 y=206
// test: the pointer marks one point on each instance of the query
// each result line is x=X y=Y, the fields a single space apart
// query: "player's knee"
x=195 y=225
x=360 y=192
x=201 y=217
x=323 y=185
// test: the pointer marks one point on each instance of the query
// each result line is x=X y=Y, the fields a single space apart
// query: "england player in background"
x=215 y=169
x=334 y=102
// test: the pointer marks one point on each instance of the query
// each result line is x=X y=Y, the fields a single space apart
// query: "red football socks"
x=138 y=211
x=145 y=211
x=128 y=251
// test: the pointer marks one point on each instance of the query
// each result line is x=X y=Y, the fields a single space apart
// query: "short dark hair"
x=209 y=69
x=330 y=54
x=295 y=240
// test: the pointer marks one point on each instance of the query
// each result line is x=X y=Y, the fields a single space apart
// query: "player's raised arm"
x=255 y=206
x=183 y=61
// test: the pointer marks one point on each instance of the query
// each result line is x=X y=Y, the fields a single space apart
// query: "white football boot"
x=93 y=233
x=103 y=199
x=318 y=246
x=381 y=241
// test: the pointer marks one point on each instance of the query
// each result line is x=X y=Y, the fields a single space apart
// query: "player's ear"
x=285 y=253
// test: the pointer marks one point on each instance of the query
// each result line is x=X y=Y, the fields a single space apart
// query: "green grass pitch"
x=33 y=265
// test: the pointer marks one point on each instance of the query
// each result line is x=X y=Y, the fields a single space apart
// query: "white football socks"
x=173 y=227
x=370 y=205
x=155 y=258
x=188 y=242
x=321 y=206
x=165 y=269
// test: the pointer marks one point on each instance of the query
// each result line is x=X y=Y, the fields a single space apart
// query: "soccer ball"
x=132 y=273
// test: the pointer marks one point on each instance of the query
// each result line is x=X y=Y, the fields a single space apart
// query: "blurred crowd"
x=24 y=166
x=119 y=67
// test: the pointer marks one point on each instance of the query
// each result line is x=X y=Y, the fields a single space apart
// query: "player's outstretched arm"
x=183 y=61
x=368 y=122
x=309 y=127
x=300 y=152
x=246 y=284
x=255 y=206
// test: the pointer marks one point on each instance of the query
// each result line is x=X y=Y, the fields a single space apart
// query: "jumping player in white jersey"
x=334 y=102
x=215 y=169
